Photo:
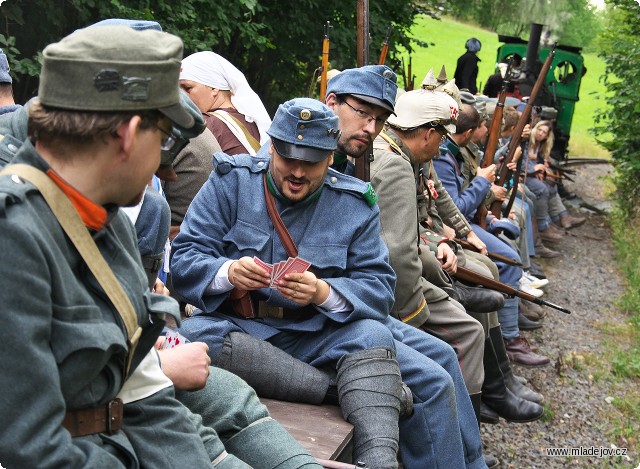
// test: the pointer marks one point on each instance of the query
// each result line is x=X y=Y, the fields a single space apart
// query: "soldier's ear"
x=331 y=100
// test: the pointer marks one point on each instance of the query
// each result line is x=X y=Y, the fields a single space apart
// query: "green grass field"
x=449 y=37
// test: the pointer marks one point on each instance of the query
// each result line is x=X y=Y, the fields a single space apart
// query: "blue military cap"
x=373 y=84
x=138 y=25
x=304 y=129
x=4 y=69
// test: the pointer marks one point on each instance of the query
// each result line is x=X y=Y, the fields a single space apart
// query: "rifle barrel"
x=470 y=276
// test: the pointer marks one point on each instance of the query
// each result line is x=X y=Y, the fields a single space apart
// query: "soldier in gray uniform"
x=107 y=97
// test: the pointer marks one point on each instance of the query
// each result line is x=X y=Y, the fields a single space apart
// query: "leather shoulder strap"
x=278 y=224
x=75 y=229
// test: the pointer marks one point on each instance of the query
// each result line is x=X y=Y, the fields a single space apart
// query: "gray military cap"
x=115 y=69
x=373 y=84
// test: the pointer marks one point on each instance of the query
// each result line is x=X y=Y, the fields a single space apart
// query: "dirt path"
x=586 y=281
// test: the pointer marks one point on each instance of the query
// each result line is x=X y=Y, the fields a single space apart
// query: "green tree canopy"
x=276 y=43
x=618 y=125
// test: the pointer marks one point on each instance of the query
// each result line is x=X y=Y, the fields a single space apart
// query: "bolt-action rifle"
x=480 y=218
x=491 y=255
x=470 y=276
x=385 y=47
x=503 y=176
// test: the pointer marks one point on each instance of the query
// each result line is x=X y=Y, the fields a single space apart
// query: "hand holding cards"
x=278 y=270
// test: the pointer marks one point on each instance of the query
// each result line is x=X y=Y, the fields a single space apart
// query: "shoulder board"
x=224 y=163
x=342 y=182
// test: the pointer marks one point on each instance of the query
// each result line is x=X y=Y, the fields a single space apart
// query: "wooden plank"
x=321 y=429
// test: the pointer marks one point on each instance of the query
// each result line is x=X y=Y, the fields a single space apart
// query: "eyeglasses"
x=168 y=141
x=365 y=115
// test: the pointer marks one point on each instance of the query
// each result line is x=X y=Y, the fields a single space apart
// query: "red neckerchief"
x=93 y=215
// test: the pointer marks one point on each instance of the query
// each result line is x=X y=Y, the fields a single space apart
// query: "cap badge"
x=135 y=88
x=107 y=80
x=305 y=114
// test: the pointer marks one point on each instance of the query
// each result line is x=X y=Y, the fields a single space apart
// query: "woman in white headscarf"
x=233 y=111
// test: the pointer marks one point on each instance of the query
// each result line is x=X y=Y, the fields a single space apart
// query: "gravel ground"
x=586 y=281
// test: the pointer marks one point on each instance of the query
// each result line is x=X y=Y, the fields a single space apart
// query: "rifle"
x=491 y=255
x=480 y=217
x=362 y=7
x=325 y=62
x=385 y=47
x=470 y=276
x=501 y=179
x=327 y=464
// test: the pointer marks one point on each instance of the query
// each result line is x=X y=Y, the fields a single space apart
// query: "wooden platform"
x=320 y=429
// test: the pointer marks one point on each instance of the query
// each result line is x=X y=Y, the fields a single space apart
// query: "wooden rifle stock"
x=326 y=463
x=501 y=179
x=480 y=217
x=470 y=276
x=491 y=255
x=325 y=62
x=385 y=47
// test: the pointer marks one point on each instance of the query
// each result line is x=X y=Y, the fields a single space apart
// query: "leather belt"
x=268 y=311
x=105 y=418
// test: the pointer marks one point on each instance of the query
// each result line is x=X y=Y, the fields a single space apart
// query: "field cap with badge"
x=421 y=107
x=115 y=69
x=304 y=129
x=373 y=84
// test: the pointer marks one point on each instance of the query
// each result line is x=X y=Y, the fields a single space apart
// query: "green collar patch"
x=370 y=195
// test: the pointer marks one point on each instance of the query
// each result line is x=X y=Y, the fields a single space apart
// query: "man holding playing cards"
x=332 y=315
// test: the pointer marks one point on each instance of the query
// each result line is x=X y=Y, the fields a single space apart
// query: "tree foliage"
x=570 y=22
x=618 y=125
x=276 y=43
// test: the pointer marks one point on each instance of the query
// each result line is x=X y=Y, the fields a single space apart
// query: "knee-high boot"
x=515 y=386
x=498 y=398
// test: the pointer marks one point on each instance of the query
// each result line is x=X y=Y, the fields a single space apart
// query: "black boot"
x=526 y=324
x=513 y=384
x=488 y=415
x=478 y=300
x=498 y=398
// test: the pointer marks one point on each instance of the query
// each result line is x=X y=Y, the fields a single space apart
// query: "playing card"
x=264 y=265
x=298 y=266
x=173 y=339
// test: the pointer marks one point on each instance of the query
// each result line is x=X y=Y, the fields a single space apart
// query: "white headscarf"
x=211 y=69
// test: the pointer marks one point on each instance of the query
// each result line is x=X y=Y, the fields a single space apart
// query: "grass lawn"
x=449 y=37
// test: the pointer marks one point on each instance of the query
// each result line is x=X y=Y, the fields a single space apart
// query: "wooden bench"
x=321 y=429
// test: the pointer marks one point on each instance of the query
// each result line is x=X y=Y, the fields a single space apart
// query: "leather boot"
x=526 y=324
x=491 y=461
x=513 y=384
x=488 y=415
x=543 y=251
x=550 y=235
x=532 y=311
x=497 y=396
x=478 y=300
x=519 y=351
x=569 y=221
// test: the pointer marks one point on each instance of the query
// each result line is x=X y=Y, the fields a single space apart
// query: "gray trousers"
x=236 y=428
x=449 y=321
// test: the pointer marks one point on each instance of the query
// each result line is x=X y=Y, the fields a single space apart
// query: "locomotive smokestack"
x=532 y=48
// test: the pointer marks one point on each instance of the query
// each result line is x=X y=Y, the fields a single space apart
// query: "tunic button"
x=260 y=164
x=15 y=178
x=12 y=148
x=299 y=137
x=334 y=180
